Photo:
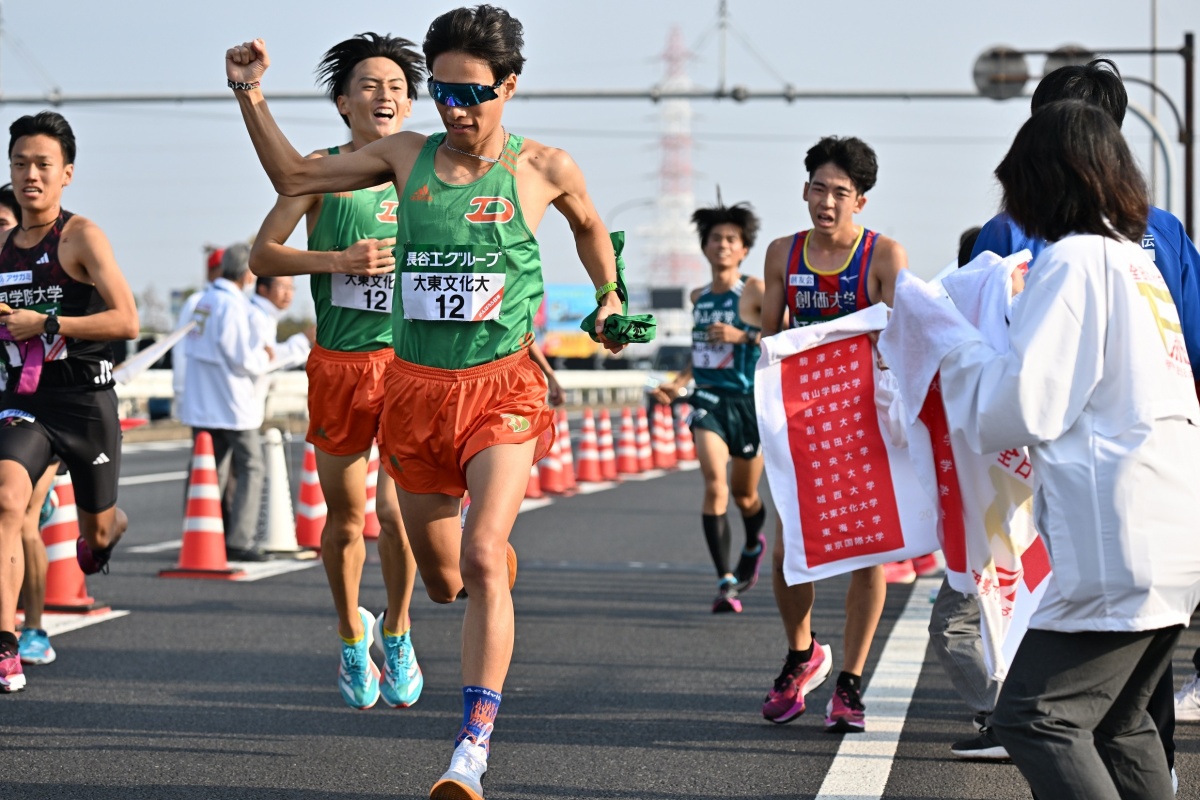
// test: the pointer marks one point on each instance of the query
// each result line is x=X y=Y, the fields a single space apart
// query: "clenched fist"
x=246 y=62
x=368 y=257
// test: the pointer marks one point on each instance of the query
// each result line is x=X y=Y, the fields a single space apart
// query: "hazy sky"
x=164 y=179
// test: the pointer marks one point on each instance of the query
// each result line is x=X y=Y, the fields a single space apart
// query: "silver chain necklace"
x=476 y=155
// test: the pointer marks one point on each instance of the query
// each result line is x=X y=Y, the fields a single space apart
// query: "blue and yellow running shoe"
x=358 y=677
x=34 y=647
x=402 y=681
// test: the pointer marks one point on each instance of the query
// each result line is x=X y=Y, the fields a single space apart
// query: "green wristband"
x=611 y=286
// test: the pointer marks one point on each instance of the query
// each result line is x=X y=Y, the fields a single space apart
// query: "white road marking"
x=157 y=547
x=864 y=761
x=256 y=571
x=268 y=569
x=157 y=477
x=55 y=624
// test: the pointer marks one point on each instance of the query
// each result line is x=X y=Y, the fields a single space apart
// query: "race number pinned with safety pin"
x=710 y=355
x=363 y=292
x=453 y=283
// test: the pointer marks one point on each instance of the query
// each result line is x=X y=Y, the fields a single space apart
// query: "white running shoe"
x=1187 y=700
x=462 y=780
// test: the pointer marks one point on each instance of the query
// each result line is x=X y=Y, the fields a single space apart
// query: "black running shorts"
x=81 y=429
x=728 y=415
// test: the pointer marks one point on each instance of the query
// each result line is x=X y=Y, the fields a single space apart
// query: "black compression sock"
x=800 y=656
x=716 y=536
x=754 y=526
x=848 y=680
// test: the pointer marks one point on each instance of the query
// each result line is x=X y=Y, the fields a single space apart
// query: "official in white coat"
x=1098 y=385
x=271 y=299
x=226 y=356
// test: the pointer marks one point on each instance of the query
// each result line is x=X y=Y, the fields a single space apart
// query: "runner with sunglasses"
x=465 y=406
x=373 y=80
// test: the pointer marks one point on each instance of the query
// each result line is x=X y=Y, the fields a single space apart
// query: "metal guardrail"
x=288 y=395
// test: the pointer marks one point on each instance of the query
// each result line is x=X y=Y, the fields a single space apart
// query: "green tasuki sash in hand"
x=623 y=328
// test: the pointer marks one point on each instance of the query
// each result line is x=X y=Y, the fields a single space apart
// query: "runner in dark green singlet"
x=727 y=314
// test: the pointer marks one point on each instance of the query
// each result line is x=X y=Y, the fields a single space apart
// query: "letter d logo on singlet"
x=491 y=209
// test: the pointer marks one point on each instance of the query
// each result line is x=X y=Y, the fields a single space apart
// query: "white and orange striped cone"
x=645 y=447
x=684 y=446
x=371 y=520
x=589 y=452
x=627 y=457
x=310 y=508
x=564 y=452
x=604 y=442
x=552 y=470
x=66 y=587
x=203 y=553
x=664 y=439
x=533 y=489
x=280 y=533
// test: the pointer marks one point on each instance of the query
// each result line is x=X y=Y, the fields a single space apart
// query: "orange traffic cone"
x=203 y=553
x=371 y=522
x=533 y=489
x=645 y=450
x=310 y=509
x=664 y=439
x=627 y=460
x=552 y=470
x=604 y=440
x=66 y=589
x=589 y=453
x=564 y=452
x=684 y=445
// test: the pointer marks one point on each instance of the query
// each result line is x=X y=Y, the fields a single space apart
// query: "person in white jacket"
x=272 y=297
x=1098 y=385
x=226 y=355
x=179 y=353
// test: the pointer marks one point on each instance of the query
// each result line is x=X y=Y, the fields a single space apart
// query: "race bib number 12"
x=453 y=283
x=363 y=292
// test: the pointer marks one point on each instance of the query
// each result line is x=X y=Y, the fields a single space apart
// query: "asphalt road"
x=623 y=684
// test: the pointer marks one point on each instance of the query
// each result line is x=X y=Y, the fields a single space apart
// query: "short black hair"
x=340 y=60
x=739 y=214
x=852 y=155
x=8 y=199
x=1098 y=82
x=44 y=123
x=485 y=32
x=264 y=282
x=966 y=243
x=1069 y=170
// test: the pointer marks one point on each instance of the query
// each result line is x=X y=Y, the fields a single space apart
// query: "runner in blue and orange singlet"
x=833 y=269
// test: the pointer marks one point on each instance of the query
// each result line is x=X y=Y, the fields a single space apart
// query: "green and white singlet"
x=353 y=310
x=469 y=267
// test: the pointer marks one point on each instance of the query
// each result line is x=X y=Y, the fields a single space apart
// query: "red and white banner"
x=836 y=451
x=991 y=547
